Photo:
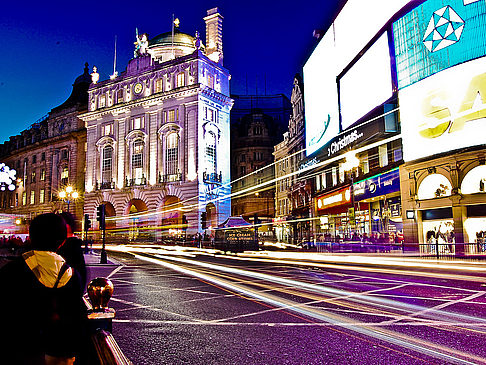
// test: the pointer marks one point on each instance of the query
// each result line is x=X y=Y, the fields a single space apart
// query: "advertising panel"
x=353 y=29
x=355 y=94
x=379 y=185
x=436 y=35
x=444 y=112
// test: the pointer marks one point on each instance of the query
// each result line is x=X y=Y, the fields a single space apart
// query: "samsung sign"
x=437 y=35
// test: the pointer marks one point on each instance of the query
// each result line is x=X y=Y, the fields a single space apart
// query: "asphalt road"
x=182 y=308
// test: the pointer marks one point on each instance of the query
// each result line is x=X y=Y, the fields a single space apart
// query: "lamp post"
x=68 y=195
x=351 y=162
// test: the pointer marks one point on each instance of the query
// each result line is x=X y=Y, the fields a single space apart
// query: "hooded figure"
x=41 y=305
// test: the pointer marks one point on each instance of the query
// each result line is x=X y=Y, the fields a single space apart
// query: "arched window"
x=137 y=161
x=172 y=154
x=107 y=164
x=434 y=186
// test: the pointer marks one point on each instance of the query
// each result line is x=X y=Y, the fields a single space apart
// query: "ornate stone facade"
x=158 y=136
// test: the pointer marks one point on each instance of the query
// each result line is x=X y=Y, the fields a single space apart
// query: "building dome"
x=163 y=47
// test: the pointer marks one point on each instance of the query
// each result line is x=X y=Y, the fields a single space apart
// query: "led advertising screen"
x=436 y=35
x=444 y=112
x=357 y=23
x=367 y=84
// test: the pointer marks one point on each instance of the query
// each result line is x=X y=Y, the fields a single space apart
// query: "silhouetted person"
x=41 y=300
x=71 y=250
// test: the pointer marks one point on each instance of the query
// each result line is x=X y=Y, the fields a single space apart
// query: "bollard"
x=100 y=316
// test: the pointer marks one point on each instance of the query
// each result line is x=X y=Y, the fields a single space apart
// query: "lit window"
x=43 y=174
x=65 y=176
x=107 y=164
x=32 y=197
x=24 y=198
x=138 y=123
x=32 y=177
x=211 y=152
x=171 y=154
x=42 y=196
x=383 y=155
x=171 y=117
x=159 y=85
x=101 y=101
x=137 y=159
x=119 y=96
x=180 y=79
x=108 y=129
x=211 y=81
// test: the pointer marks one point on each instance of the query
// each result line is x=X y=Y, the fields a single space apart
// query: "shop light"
x=410 y=214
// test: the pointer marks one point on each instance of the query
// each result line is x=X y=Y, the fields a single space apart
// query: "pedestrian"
x=72 y=249
x=41 y=304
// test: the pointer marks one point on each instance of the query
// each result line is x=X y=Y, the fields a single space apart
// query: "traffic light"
x=203 y=220
x=100 y=215
x=87 y=222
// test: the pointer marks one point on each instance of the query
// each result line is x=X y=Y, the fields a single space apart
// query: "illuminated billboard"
x=444 y=112
x=367 y=84
x=436 y=35
x=355 y=26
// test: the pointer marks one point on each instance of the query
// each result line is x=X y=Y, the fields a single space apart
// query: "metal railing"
x=212 y=177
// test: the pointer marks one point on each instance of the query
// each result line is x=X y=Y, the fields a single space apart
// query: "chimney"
x=214 y=35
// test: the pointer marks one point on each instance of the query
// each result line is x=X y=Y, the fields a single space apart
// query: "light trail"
x=402 y=340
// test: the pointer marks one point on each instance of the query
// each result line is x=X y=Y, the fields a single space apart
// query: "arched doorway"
x=139 y=227
x=171 y=218
x=211 y=216
x=109 y=213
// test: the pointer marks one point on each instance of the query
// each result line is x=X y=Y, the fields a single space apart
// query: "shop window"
x=474 y=181
x=434 y=186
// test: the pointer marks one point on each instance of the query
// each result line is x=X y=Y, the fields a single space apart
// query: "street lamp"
x=351 y=162
x=68 y=195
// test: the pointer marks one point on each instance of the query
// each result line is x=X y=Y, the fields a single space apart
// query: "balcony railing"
x=170 y=178
x=212 y=177
x=135 y=182
x=105 y=185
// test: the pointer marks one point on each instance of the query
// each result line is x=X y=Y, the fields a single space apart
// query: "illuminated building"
x=257 y=125
x=424 y=171
x=49 y=156
x=158 y=135
x=442 y=90
x=292 y=197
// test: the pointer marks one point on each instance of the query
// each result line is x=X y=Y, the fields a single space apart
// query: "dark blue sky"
x=46 y=43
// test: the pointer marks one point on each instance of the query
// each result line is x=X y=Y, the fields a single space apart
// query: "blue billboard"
x=378 y=185
x=436 y=35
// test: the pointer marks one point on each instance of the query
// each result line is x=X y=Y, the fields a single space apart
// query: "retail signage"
x=437 y=35
x=332 y=200
x=445 y=111
x=379 y=185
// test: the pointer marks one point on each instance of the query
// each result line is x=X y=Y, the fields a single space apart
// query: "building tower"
x=214 y=35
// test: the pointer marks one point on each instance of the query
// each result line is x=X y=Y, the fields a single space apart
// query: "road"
x=177 y=307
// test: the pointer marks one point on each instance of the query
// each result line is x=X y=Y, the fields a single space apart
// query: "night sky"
x=45 y=45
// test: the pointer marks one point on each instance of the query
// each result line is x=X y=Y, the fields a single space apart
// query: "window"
x=258 y=130
x=107 y=129
x=42 y=193
x=243 y=158
x=101 y=101
x=64 y=154
x=34 y=159
x=42 y=174
x=383 y=155
x=32 y=177
x=242 y=170
x=32 y=197
x=334 y=176
x=65 y=175
x=107 y=164
x=43 y=156
x=210 y=114
x=159 y=85
x=137 y=159
x=258 y=156
x=181 y=79
x=138 y=123
x=172 y=154
x=211 y=81
x=119 y=96
x=211 y=152
x=24 y=198
x=172 y=115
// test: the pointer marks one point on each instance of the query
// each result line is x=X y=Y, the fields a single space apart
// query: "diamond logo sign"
x=444 y=29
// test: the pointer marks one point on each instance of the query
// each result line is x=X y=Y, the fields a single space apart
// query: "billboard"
x=445 y=111
x=436 y=35
x=355 y=26
x=356 y=97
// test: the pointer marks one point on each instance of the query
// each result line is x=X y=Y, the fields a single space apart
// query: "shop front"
x=378 y=204
x=336 y=221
